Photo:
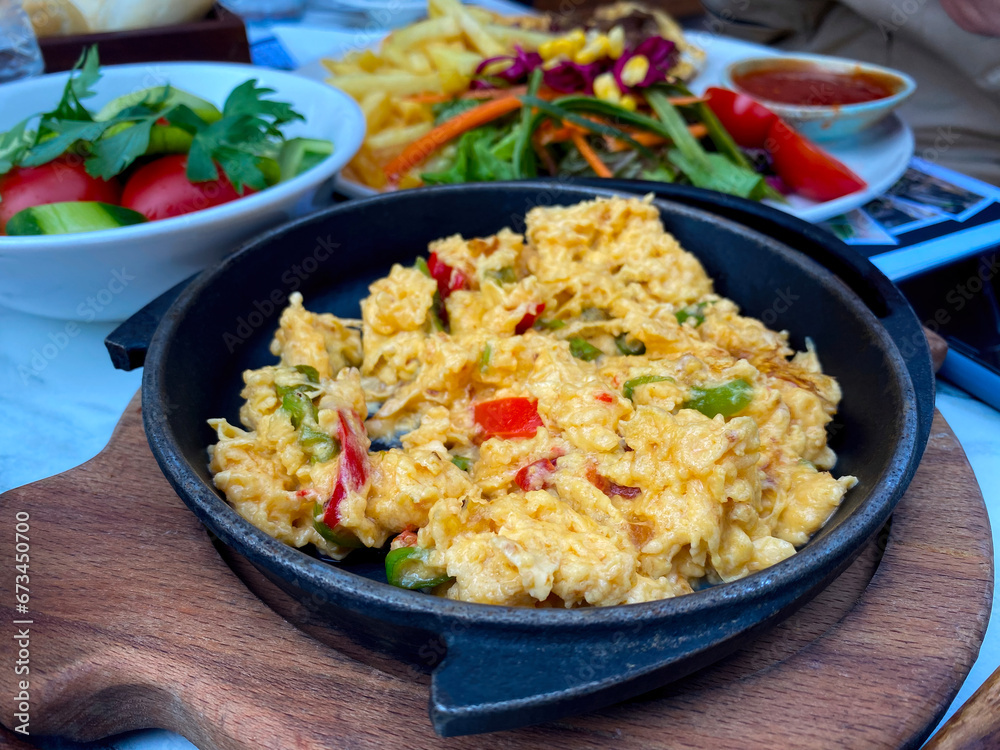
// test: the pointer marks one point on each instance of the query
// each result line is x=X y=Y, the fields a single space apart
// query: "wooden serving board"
x=137 y=622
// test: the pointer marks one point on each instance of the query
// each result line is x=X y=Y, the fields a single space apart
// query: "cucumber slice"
x=204 y=109
x=301 y=154
x=70 y=217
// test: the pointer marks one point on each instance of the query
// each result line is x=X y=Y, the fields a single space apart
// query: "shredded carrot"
x=599 y=167
x=544 y=156
x=471 y=94
x=448 y=130
x=648 y=139
x=682 y=101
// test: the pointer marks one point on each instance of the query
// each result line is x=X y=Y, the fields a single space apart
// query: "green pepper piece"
x=583 y=349
x=406 y=567
x=630 y=385
x=339 y=540
x=320 y=446
x=505 y=275
x=695 y=312
x=462 y=462
x=437 y=322
x=299 y=406
x=484 y=358
x=312 y=375
x=629 y=347
x=421 y=265
x=727 y=400
x=553 y=325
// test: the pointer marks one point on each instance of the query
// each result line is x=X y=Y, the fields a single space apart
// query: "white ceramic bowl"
x=108 y=275
x=829 y=122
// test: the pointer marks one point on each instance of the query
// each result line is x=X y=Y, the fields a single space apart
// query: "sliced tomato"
x=353 y=468
x=806 y=168
x=508 y=417
x=534 y=310
x=59 y=181
x=448 y=279
x=747 y=121
x=535 y=476
x=161 y=189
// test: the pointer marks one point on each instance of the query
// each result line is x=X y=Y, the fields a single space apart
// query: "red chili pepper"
x=448 y=279
x=606 y=398
x=353 y=466
x=535 y=476
x=508 y=417
x=534 y=310
x=806 y=168
x=747 y=121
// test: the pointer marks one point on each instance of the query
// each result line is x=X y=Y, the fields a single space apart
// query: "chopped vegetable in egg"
x=641 y=440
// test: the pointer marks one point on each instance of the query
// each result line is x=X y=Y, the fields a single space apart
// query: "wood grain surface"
x=138 y=622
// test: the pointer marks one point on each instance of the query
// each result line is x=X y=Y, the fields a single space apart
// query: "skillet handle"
x=127 y=344
x=493 y=679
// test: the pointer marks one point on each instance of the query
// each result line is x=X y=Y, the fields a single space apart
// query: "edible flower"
x=650 y=62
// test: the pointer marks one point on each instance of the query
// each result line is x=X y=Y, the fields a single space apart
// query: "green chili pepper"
x=695 y=312
x=582 y=349
x=462 y=462
x=630 y=385
x=505 y=275
x=421 y=265
x=592 y=314
x=407 y=568
x=437 y=322
x=339 y=540
x=320 y=446
x=312 y=375
x=727 y=400
x=629 y=347
x=553 y=325
x=484 y=358
x=299 y=406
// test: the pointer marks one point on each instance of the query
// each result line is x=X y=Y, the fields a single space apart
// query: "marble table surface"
x=62 y=399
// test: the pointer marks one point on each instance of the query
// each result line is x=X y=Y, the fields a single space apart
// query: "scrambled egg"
x=566 y=418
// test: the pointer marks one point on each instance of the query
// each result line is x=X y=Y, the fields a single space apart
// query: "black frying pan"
x=504 y=667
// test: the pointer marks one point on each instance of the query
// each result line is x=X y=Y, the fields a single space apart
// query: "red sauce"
x=793 y=82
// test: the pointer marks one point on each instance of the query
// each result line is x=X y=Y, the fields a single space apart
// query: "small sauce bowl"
x=824 y=98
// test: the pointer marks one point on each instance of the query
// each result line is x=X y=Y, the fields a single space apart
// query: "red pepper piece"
x=535 y=476
x=448 y=279
x=747 y=121
x=606 y=398
x=806 y=168
x=534 y=310
x=610 y=488
x=353 y=467
x=508 y=417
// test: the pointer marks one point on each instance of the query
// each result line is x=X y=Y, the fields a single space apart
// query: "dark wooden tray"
x=220 y=37
x=138 y=622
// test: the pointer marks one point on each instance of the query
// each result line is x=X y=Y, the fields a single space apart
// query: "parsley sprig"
x=248 y=131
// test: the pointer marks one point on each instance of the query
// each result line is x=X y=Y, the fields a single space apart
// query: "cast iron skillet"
x=505 y=667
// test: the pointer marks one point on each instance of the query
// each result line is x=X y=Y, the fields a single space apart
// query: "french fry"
x=479 y=37
x=398 y=136
x=418 y=62
x=433 y=29
x=395 y=83
x=377 y=108
x=508 y=36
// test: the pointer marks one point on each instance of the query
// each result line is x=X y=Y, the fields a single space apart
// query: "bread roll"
x=64 y=17
x=55 y=18
x=119 y=15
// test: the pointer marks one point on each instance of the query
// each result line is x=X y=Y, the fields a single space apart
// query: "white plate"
x=878 y=155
